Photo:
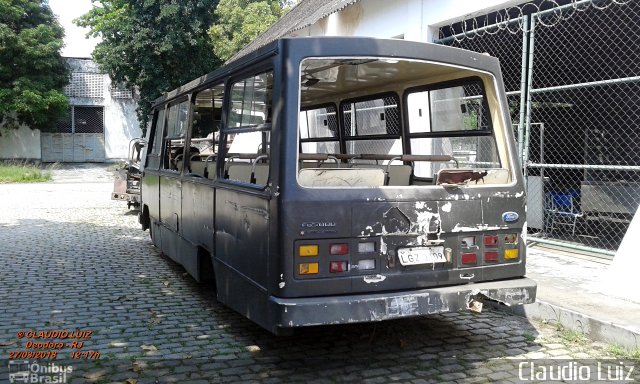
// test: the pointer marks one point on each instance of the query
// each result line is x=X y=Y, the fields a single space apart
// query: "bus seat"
x=262 y=173
x=308 y=164
x=329 y=165
x=399 y=174
x=242 y=172
x=197 y=167
x=211 y=170
x=341 y=177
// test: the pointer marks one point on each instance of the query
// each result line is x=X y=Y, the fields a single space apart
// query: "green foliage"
x=23 y=173
x=32 y=72
x=153 y=45
x=623 y=353
x=241 y=21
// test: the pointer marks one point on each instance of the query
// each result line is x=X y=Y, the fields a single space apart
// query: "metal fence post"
x=523 y=90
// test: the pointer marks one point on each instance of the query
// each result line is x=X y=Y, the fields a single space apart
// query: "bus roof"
x=348 y=46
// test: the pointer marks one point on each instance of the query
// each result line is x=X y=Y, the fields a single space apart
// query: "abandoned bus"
x=335 y=180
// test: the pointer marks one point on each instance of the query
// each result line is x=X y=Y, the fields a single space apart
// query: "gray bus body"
x=338 y=180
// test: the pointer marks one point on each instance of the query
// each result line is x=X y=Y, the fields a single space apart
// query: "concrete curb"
x=595 y=329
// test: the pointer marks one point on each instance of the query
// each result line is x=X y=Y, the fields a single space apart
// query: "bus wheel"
x=143 y=218
x=207 y=274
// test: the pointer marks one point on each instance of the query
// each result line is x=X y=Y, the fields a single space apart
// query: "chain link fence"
x=572 y=75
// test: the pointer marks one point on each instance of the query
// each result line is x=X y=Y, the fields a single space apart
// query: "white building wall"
x=375 y=18
x=120 y=124
x=22 y=143
x=417 y=20
x=120 y=119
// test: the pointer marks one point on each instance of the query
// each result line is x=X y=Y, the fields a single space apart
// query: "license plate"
x=421 y=255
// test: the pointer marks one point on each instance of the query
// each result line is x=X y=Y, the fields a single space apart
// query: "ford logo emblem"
x=509 y=217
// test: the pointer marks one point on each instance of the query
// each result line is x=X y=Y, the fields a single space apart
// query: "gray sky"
x=76 y=45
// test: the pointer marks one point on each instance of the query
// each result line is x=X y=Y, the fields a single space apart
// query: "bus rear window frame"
x=443 y=85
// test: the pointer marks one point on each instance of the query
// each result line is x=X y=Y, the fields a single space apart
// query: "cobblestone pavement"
x=72 y=259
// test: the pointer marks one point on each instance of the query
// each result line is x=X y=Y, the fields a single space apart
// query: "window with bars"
x=82 y=119
x=379 y=116
x=372 y=125
x=319 y=130
x=451 y=119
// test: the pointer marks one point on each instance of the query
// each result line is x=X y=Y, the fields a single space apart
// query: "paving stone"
x=71 y=258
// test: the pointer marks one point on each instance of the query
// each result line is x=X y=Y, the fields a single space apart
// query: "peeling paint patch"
x=447 y=207
x=506 y=296
x=426 y=222
x=403 y=306
x=374 y=279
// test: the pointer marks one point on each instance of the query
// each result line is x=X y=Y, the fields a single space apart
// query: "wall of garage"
x=101 y=123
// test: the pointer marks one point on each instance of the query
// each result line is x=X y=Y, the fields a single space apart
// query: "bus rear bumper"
x=299 y=312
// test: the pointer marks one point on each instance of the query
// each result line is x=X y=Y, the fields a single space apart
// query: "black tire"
x=143 y=218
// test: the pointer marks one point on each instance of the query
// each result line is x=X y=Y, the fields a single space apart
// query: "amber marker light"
x=511 y=254
x=308 y=268
x=308 y=250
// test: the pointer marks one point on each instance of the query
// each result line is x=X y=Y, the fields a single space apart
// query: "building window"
x=88 y=120
x=82 y=120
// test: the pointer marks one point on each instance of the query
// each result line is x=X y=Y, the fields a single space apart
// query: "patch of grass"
x=23 y=173
x=623 y=353
x=529 y=337
x=572 y=336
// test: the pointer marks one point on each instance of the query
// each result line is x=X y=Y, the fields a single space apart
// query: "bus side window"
x=319 y=122
x=156 y=145
x=174 y=141
x=247 y=153
x=207 y=116
x=374 y=116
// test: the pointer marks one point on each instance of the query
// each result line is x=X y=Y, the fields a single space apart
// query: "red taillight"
x=491 y=257
x=490 y=240
x=338 y=266
x=469 y=258
x=339 y=249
